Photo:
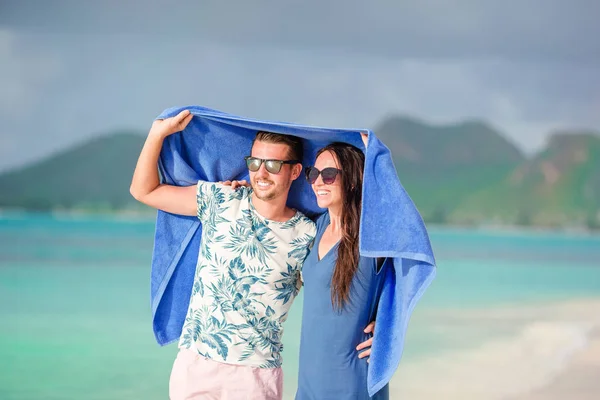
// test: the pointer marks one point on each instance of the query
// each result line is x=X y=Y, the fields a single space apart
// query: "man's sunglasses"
x=272 y=166
x=327 y=174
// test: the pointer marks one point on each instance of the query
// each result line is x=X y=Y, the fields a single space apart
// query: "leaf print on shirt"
x=205 y=250
x=202 y=325
x=198 y=284
x=275 y=363
x=234 y=294
x=251 y=239
x=211 y=207
x=261 y=271
x=239 y=193
x=237 y=268
x=262 y=333
x=300 y=247
x=291 y=223
x=250 y=342
x=287 y=286
x=218 y=267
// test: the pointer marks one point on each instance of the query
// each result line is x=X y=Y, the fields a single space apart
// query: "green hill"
x=94 y=175
x=440 y=166
x=559 y=186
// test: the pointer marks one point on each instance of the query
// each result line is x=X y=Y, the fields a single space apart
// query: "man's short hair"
x=296 y=151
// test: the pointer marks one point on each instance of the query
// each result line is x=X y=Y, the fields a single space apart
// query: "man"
x=247 y=275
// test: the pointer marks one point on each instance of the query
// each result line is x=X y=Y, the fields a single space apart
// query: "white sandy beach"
x=548 y=351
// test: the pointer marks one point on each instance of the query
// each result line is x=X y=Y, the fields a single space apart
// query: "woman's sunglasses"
x=327 y=174
x=272 y=166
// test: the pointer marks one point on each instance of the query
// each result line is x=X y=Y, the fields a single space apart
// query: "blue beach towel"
x=212 y=148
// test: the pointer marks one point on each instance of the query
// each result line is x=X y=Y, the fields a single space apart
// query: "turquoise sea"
x=75 y=317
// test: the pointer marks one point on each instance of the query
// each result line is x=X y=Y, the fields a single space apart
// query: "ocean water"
x=75 y=319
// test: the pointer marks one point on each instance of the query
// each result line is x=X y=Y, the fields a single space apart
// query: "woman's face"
x=328 y=195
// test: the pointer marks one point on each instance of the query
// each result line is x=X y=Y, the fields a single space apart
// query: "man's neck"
x=275 y=210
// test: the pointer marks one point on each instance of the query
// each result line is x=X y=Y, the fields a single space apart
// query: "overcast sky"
x=73 y=69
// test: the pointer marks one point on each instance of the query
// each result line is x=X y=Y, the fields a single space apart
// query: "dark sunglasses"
x=272 y=166
x=327 y=174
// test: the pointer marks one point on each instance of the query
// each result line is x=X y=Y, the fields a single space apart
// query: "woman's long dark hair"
x=351 y=161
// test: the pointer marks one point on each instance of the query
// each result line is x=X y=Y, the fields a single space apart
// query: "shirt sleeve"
x=216 y=198
x=309 y=242
x=204 y=194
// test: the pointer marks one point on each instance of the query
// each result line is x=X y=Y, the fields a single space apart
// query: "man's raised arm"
x=145 y=185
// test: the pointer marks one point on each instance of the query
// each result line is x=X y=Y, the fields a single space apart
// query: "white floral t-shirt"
x=247 y=277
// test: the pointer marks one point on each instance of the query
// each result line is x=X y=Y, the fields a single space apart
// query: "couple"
x=252 y=250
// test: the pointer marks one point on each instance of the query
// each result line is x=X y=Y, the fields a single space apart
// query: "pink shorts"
x=196 y=377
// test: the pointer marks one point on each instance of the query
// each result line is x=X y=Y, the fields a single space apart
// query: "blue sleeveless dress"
x=329 y=364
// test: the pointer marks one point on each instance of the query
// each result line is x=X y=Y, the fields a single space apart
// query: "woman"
x=341 y=288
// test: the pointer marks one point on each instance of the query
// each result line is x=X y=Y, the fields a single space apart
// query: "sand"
x=546 y=351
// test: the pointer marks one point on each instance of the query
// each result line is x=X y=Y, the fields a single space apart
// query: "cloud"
x=26 y=73
x=23 y=75
x=542 y=30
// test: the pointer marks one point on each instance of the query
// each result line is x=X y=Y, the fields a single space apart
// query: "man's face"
x=268 y=186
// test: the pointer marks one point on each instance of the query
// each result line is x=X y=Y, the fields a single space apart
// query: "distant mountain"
x=94 y=175
x=559 y=186
x=467 y=143
x=440 y=166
